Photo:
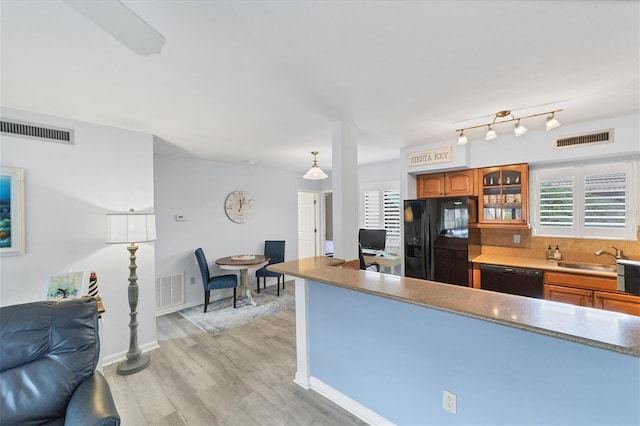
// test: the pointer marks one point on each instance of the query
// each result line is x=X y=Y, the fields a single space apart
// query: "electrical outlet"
x=516 y=239
x=449 y=401
x=193 y=280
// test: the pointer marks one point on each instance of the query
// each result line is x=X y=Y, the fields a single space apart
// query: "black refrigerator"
x=436 y=238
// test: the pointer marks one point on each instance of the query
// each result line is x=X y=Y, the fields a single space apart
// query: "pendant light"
x=315 y=172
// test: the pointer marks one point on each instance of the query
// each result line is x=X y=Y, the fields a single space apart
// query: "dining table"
x=242 y=263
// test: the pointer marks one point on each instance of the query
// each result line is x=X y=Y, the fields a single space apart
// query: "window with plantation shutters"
x=592 y=201
x=381 y=210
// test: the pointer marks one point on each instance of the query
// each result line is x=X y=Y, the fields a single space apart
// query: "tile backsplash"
x=501 y=242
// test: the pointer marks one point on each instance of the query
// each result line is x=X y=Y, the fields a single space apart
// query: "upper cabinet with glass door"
x=503 y=193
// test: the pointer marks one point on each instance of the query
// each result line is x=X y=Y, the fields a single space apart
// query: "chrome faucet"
x=615 y=258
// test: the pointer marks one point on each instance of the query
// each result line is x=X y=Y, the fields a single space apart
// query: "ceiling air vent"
x=33 y=131
x=604 y=136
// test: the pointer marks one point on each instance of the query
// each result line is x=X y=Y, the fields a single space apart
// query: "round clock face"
x=239 y=206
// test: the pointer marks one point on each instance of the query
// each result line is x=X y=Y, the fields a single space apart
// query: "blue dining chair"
x=214 y=283
x=275 y=251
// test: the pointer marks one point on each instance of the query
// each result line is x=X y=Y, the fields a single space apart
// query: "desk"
x=243 y=265
x=387 y=260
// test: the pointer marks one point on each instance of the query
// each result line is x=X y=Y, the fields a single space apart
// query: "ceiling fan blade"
x=120 y=22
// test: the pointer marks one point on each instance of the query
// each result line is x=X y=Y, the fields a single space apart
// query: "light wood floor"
x=241 y=377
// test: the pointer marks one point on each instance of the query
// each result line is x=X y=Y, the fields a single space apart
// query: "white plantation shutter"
x=392 y=220
x=372 y=210
x=381 y=210
x=586 y=201
x=605 y=200
x=556 y=201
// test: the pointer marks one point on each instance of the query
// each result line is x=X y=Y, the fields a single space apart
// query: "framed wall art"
x=11 y=210
x=65 y=286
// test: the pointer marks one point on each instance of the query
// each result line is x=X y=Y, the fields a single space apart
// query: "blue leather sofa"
x=48 y=355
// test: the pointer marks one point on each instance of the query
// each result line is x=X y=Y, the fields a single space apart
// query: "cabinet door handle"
x=588 y=294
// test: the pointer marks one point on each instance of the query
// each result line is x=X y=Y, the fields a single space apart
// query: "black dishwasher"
x=519 y=281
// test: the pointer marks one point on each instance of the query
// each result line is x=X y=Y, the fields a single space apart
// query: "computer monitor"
x=372 y=239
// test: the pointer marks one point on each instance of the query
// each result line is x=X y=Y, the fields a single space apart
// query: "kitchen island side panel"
x=396 y=358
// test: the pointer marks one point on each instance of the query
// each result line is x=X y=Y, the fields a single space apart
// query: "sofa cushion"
x=47 y=350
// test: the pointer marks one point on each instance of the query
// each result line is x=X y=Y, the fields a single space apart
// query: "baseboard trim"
x=352 y=406
x=120 y=356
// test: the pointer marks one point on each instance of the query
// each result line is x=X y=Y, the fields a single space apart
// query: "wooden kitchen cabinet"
x=503 y=196
x=573 y=296
x=448 y=184
x=590 y=291
x=617 y=302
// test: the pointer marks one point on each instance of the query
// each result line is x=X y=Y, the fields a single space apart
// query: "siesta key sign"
x=431 y=156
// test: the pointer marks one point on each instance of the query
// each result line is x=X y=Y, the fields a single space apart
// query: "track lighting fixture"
x=519 y=128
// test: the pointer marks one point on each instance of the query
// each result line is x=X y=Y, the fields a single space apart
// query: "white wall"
x=68 y=192
x=380 y=172
x=197 y=190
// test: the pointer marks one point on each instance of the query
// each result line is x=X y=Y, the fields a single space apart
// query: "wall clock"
x=239 y=206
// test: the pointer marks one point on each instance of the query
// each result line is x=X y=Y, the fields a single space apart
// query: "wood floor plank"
x=243 y=376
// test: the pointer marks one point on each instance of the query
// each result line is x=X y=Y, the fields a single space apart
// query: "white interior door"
x=308 y=238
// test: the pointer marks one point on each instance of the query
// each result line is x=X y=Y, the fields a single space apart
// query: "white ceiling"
x=264 y=80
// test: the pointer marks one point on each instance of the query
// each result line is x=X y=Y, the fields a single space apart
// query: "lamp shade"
x=520 y=129
x=462 y=138
x=315 y=172
x=131 y=227
x=491 y=134
x=552 y=122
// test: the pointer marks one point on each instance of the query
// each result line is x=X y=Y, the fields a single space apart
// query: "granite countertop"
x=534 y=263
x=598 y=328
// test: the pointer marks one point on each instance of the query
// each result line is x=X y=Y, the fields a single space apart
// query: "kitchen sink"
x=588 y=266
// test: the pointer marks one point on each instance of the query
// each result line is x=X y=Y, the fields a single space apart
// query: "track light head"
x=491 y=134
x=462 y=139
x=552 y=122
x=520 y=129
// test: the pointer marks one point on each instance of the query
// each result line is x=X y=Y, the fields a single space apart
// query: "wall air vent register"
x=35 y=131
x=604 y=136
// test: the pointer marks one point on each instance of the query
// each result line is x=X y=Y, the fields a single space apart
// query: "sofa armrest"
x=92 y=403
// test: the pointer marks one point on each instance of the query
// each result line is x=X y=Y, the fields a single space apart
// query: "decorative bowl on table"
x=243 y=257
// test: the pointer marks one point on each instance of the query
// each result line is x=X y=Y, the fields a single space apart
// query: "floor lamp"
x=132 y=228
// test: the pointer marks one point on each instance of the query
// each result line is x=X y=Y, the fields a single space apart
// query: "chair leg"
x=258 y=284
x=234 y=297
x=206 y=300
x=278 y=285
